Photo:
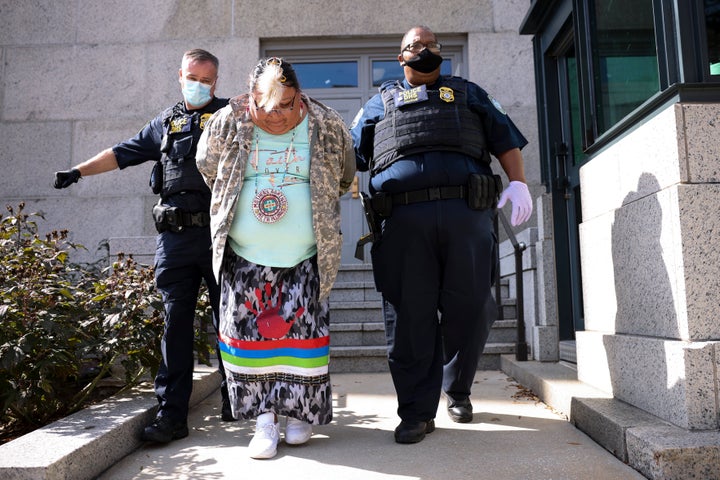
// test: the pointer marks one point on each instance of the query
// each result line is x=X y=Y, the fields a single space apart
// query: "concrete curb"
x=652 y=446
x=83 y=445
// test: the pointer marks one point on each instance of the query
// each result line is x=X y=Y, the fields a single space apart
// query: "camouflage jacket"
x=222 y=155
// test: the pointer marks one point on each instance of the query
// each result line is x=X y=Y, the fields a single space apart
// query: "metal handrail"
x=521 y=346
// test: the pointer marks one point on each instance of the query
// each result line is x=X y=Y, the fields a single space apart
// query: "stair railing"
x=521 y=346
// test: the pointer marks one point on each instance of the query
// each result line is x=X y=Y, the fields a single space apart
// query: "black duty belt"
x=429 y=194
x=198 y=219
x=176 y=220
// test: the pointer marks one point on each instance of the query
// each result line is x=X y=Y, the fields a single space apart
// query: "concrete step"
x=354 y=292
x=357 y=359
x=490 y=359
x=368 y=358
x=508 y=309
x=357 y=334
x=503 y=331
x=355 y=312
x=373 y=333
x=649 y=444
x=361 y=272
x=371 y=311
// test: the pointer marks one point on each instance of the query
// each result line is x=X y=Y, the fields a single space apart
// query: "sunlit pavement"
x=512 y=436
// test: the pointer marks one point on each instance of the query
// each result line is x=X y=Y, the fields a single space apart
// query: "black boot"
x=460 y=411
x=164 y=430
x=413 y=432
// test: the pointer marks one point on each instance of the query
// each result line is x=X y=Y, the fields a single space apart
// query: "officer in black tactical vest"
x=183 y=255
x=427 y=142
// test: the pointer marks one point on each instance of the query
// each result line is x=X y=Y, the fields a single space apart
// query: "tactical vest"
x=443 y=122
x=181 y=132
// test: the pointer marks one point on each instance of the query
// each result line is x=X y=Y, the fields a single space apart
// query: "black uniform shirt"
x=145 y=146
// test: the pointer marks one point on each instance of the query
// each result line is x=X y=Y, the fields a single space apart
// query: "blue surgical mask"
x=196 y=94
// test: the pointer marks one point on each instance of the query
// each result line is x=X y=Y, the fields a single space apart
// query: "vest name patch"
x=414 y=95
x=181 y=124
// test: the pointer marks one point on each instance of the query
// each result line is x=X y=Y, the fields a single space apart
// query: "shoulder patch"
x=496 y=104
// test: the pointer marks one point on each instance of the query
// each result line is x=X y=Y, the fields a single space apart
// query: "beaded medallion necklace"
x=269 y=205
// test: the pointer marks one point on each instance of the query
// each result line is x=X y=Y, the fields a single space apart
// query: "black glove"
x=66 y=178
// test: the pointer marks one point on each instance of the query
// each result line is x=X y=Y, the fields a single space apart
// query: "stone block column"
x=651 y=269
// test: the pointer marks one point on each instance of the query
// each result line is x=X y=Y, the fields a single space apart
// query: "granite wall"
x=651 y=275
x=77 y=76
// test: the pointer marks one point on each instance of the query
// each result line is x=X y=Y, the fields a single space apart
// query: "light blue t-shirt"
x=291 y=239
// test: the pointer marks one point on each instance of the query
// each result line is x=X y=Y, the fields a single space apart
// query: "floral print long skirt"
x=275 y=340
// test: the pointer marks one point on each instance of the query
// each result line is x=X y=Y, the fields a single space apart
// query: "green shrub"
x=65 y=327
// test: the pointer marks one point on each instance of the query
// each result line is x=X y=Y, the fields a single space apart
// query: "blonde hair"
x=269 y=79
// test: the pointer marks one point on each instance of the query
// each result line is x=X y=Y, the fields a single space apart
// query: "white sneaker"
x=297 y=432
x=267 y=434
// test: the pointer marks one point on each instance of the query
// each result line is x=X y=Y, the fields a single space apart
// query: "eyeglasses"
x=417 y=47
x=282 y=108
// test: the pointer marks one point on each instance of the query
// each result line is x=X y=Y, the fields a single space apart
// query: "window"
x=337 y=69
x=625 y=65
x=712 y=28
x=578 y=155
x=383 y=70
x=345 y=74
x=327 y=74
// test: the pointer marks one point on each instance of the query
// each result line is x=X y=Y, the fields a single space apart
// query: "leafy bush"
x=65 y=327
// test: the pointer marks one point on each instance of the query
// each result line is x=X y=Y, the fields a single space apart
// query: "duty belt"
x=429 y=194
x=175 y=219
x=382 y=203
x=481 y=192
x=197 y=219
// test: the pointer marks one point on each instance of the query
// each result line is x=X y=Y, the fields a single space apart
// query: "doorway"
x=565 y=145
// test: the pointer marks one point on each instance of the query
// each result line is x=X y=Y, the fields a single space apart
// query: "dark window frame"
x=681 y=47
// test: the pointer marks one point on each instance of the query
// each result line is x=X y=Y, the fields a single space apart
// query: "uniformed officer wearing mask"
x=183 y=255
x=427 y=141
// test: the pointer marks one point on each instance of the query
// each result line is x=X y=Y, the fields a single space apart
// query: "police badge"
x=204 y=118
x=447 y=95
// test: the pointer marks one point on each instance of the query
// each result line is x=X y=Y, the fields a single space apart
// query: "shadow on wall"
x=645 y=304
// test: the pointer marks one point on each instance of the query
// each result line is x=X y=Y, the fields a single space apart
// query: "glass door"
x=565 y=135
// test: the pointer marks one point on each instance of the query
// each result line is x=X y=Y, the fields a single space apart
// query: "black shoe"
x=413 y=432
x=460 y=411
x=226 y=411
x=164 y=430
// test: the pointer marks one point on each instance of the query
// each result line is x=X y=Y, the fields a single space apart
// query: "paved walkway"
x=513 y=436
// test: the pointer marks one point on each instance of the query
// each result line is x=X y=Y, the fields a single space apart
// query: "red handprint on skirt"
x=270 y=323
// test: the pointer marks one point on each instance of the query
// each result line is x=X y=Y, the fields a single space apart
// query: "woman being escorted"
x=277 y=162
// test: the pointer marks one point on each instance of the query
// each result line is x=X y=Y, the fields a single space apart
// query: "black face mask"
x=425 y=61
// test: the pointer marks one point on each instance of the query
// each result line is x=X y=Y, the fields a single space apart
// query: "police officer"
x=183 y=254
x=427 y=142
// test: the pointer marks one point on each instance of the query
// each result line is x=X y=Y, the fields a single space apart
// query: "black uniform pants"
x=182 y=261
x=435 y=267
